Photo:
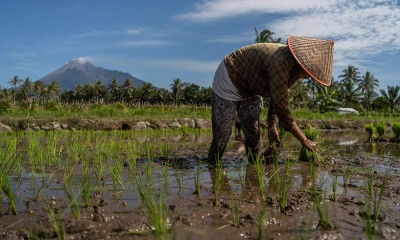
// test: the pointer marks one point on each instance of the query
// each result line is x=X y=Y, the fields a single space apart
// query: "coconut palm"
x=350 y=91
x=147 y=92
x=99 y=90
x=368 y=84
x=15 y=82
x=25 y=92
x=266 y=36
x=53 y=90
x=391 y=97
x=114 y=90
x=177 y=90
x=39 y=91
x=127 y=90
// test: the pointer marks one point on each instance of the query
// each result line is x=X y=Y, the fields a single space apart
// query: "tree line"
x=351 y=90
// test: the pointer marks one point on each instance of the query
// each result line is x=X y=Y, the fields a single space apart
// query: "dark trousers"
x=223 y=114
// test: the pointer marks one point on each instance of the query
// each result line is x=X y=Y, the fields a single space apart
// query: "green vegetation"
x=309 y=156
x=370 y=128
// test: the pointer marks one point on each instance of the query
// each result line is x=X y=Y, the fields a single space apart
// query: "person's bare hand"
x=273 y=134
x=309 y=145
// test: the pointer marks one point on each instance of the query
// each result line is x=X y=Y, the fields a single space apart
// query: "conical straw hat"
x=315 y=56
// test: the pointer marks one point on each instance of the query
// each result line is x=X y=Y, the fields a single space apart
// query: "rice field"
x=156 y=184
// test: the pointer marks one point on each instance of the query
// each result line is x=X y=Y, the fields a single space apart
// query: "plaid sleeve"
x=279 y=94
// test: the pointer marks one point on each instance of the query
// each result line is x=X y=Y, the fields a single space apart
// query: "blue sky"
x=159 y=41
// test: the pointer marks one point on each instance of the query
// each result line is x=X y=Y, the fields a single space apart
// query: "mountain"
x=78 y=71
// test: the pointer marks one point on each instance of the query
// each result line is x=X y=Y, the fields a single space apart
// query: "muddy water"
x=210 y=204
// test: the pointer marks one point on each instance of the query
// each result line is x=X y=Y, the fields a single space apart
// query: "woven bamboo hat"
x=315 y=56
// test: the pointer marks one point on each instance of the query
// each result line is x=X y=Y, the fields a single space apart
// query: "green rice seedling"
x=197 y=178
x=219 y=175
x=179 y=180
x=8 y=156
x=99 y=167
x=346 y=174
x=154 y=208
x=116 y=170
x=8 y=193
x=236 y=202
x=320 y=203
x=115 y=163
x=284 y=186
x=72 y=199
x=85 y=182
x=260 y=177
x=318 y=157
x=370 y=128
x=366 y=215
x=164 y=150
x=165 y=174
x=380 y=129
x=334 y=187
x=261 y=221
x=312 y=135
x=52 y=155
x=322 y=209
x=132 y=157
x=36 y=155
x=55 y=220
x=374 y=194
x=396 y=131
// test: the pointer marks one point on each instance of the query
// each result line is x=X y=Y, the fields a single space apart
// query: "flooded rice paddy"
x=155 y=184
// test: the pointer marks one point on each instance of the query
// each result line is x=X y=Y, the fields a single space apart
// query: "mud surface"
x=210 y=205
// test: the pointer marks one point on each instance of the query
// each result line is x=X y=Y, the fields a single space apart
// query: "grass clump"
x=370 y=128
x=396 y=131
x=380 y=129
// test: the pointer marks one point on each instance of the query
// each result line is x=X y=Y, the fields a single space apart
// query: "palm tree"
x=79 y=92
x=99 y=90
x=25 y=92
x=113 y=89
x=53 y=90
x=15 y=82
x=146 y=92
x=391 y=97
x=127 y=90
x=39 y=91
x=368 y=84
x=266 y=36
x=350 y=92
x=177 y=90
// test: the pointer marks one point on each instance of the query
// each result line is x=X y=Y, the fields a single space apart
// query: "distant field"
x=162 y=112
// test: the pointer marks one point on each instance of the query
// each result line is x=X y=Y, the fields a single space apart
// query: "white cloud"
x=143 y=43
x=181 y=65
x=133 y=31
x=95 y=33
x=361 y=29
x=217 y=9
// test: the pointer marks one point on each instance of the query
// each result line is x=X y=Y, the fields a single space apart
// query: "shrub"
x=6 y=106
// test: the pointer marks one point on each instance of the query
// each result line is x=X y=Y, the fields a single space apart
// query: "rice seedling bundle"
x=309 y=156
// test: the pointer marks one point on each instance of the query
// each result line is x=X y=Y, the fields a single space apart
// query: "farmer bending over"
x=266 y=70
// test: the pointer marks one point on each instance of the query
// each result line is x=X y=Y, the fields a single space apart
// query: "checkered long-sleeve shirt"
x=268 y=70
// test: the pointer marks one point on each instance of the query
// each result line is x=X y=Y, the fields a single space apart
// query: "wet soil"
x=238 y=211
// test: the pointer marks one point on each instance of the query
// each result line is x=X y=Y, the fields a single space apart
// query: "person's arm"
x=279 y=94
x=305 y=142
x=273 y=133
